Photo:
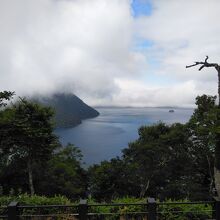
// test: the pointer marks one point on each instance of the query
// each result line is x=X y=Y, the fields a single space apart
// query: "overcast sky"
x=110 y=52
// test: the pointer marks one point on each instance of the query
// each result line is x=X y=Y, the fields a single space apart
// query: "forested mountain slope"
x=69 y=109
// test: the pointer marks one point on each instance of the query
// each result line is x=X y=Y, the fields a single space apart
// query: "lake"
x=103 y=137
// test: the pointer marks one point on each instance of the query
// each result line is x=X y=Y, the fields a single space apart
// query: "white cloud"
x=136 y=93
x=87 y=47
x=183 y=32
x=77 y=45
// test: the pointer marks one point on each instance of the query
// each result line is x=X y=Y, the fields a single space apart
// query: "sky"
x=110 y=52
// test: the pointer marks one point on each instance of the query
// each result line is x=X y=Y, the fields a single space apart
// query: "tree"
x=217 y=122
x=162 y=161
x=202 y=126
x=63 y=174
x=5 y=96
x=27 y=135
x=111 y=179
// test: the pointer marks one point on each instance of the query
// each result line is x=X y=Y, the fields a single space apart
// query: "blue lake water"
x=103 y=137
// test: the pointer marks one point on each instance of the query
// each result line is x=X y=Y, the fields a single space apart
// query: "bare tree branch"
x=196 y=63
x=201 y=67
x=205 y=64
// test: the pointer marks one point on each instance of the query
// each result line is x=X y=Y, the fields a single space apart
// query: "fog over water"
x=104 y=137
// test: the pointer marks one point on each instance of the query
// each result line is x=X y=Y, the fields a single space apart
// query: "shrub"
x=184 y=211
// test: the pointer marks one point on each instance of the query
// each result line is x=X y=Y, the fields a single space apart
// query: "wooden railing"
x=151 y=210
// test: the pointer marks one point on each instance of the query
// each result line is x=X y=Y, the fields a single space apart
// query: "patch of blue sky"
x=146 y=48
x=141 y=7
x=152 y=75
x=142 y=44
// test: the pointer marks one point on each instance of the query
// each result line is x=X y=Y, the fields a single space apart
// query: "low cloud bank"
x=90 y=48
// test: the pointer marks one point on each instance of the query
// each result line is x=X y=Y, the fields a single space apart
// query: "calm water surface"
x=104 y=137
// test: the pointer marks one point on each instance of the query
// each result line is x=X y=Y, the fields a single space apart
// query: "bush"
x=25 y=199
x=184 y=211
x=165 y=212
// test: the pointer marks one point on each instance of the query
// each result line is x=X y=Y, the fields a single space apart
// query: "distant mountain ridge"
x=69 y=109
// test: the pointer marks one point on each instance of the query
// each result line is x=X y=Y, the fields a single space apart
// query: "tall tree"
x=217 y=131
x=162 y=161
x=27 y=134
x=63 y=174
x=112 y=179
x=202 y=125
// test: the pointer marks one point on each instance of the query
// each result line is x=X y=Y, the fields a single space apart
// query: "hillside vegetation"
x=69 y=109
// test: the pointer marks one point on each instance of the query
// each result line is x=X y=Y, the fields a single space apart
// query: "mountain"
x=69 y=109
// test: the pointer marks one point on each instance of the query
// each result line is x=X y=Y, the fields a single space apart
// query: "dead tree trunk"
x=206 y=64
x=217 y=147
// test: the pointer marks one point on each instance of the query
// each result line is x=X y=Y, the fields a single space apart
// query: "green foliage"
x=130 y=208
x=29 y=130
x=5 y=96
x=184 y=211
x=165 y=211
x=161 y=160
x=110 y=179
x=203 y=123
x=26 y=135
x=31 y=156
x=25 y=199
x=171 y=211
x=166 y=161
x=117 y=210
x=203 y=127
x=63 y=174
